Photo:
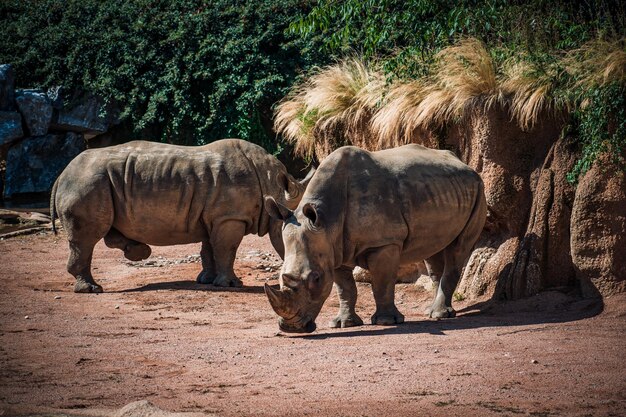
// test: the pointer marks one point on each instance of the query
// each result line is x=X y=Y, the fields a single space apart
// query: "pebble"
x=534 y=361
x=57 y=297
x=26 y=317
x=117 y=307
x=436 y=351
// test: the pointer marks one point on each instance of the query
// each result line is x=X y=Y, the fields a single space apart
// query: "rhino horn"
x=279 y=301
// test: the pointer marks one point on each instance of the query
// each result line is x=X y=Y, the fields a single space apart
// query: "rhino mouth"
x=298 y=327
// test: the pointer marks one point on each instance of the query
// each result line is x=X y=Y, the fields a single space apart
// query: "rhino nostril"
x=314 y=276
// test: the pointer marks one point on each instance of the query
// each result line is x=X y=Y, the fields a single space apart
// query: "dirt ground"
x=157 y=335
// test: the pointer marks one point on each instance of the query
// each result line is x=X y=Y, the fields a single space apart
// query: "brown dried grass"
x=351 y=103
x=334 y=103
x=598 y=62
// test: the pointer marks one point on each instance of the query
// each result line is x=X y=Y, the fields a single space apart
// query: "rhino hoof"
x=343 y=322
x=205 y=278
x=223 y=281
x=387 y=319
x=445 y=313
x=86 y=287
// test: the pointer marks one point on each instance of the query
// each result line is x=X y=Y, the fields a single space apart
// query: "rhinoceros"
x=376 y=210
x=144 y=193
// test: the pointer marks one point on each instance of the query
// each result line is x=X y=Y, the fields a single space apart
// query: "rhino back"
x=412 y=196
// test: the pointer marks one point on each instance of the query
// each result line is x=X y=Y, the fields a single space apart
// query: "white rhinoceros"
x=377 y=210
x=144 y=193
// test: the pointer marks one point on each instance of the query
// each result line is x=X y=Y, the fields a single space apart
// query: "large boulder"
x=81 y=112
x=7 y=87
x=10 y=127
x=36 y=110
x=409 y=273
x=598 y=230
x=34 y=163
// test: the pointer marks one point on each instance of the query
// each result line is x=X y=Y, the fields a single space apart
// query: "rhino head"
x=306 y=276
x=289 y=193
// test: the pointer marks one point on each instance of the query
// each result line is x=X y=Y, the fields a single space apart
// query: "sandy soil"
x=157 y=335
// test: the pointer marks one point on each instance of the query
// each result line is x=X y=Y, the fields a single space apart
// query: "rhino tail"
x=53 y=205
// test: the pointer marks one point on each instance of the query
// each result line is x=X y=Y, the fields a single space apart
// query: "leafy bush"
x=182 y=71
x=540 y=56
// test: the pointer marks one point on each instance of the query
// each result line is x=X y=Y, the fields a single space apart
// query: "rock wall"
x=42 y=131
x=542 y=232
x=598 y=232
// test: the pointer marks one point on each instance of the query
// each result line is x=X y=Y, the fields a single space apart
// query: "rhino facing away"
x=377 y=210
x=144 y=193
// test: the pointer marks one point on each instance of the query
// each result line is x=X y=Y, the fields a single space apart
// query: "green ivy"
x=181 y=71
x=601 y=125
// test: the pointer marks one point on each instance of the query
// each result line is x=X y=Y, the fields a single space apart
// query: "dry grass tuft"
x=333 y=105
x=528 y=91
x=464 y=75
x=597 y=63
x=351 y=103
x=394 y=124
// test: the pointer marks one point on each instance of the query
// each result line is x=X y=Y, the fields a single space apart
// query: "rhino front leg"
x=207 y=275
x=383 y=266
x=347 y=292
x=225 y=239
x=79 y=265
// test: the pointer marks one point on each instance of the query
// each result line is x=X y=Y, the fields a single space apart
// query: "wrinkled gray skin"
x=144 y=193
x=377 y=210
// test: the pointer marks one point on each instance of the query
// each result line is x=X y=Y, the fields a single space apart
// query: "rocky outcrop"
x=598 y=232
x=10 y=127
x=34 y=164
x=40 y=132
x=7 y=88
x=36 y=110
x=406 y=273
x=525 y=247
x=81 y=112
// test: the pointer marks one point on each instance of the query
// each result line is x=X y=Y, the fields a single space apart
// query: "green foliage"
x=409 y=32
x=601 y=127
x=191 y=71
x=406 y=35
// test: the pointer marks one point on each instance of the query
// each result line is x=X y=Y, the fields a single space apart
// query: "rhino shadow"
x=480 y=315
x=190 y=286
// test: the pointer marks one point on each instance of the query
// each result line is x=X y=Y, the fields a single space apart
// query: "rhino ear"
x=311 y=213
x=305 y=181
x=276 y=210
x=293 y=189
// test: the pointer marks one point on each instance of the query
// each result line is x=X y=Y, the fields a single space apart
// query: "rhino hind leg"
x=347 y=292
x=383 y=265
x=454 y=256
x=435 y=266
x=225 y=240
x=79 y=265
x=207 y=275
x=133 y=250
